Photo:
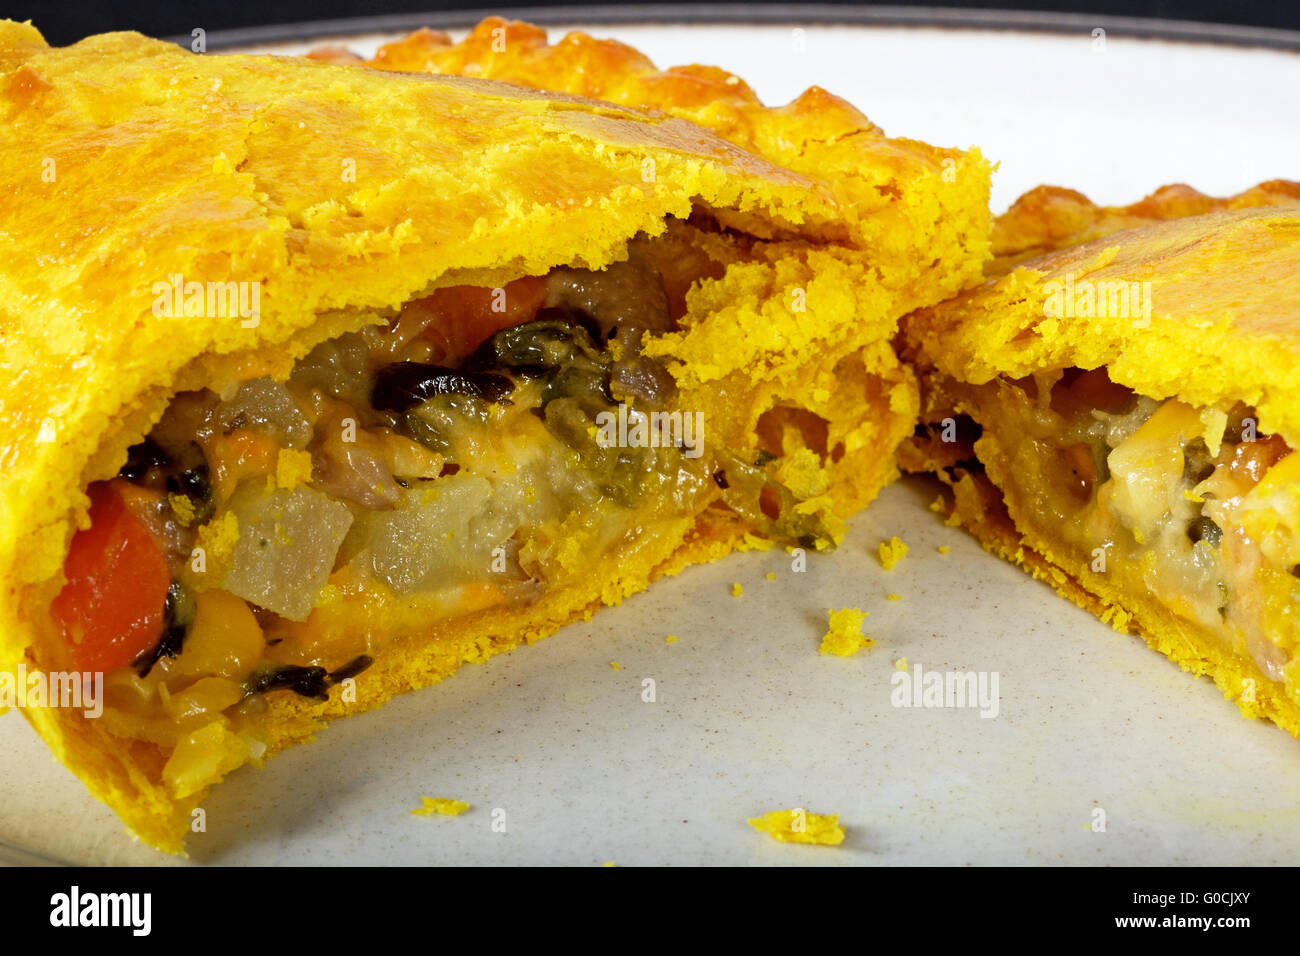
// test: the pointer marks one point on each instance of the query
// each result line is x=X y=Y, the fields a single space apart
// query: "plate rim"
x=766 y=14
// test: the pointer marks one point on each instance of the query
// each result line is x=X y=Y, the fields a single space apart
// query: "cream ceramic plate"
x=555 y=741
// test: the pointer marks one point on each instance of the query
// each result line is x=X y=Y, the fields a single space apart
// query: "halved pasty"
x=321 y=381
x=1119 y=417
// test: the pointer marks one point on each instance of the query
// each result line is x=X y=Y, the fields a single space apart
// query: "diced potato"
x=267 y=406
x=287 y=543
x=443 y=535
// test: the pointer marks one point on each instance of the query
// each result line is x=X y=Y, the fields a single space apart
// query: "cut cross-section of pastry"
x=321 y=381
x=917 y=213
x=1119 y=417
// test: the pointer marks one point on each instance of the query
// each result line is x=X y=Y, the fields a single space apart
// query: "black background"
x=368 y=909
x=64 y=21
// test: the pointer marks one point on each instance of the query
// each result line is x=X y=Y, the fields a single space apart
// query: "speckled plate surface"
x=747 y=717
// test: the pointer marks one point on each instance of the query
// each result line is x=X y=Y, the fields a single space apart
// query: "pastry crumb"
x=845 y=637
x=771 y=575
x=441 y=806
x=737 y=590
x=184 y=509
x=670 y=639
x=614 y=664
x=292 y=468
x=901 y=664
x=944 y=549
x=800 y=826
x=891 y=552
x=893 y=597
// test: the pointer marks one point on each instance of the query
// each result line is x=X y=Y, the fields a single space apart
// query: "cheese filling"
x=459 y=457
x=1191 y=505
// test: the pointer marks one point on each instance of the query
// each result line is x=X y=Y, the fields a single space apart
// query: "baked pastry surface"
x=1117 y=417
x=1050 y=217
x=358 y=203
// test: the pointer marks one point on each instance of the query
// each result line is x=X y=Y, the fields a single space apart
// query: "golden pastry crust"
x=1049 y=218
x=255 y=186
x=344 y=192
x=1225 y=277
x=1223 y=289
x=920 y=211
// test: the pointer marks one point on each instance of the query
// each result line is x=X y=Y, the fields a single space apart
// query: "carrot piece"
x=111 y=609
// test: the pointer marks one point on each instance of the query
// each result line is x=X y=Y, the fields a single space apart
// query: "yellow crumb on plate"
x=893 y=597
x=891 y=552
x=901 y=664
x=771 y=575
x=800 y=826
x=845 y=637
x=608 y=863
x=670 y=639
x=737 y=590
x=614 y=664
x=944 y=549
x=441 y=806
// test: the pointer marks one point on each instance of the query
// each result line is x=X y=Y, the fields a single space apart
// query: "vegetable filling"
x=451 y=459
x=1191 y=505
